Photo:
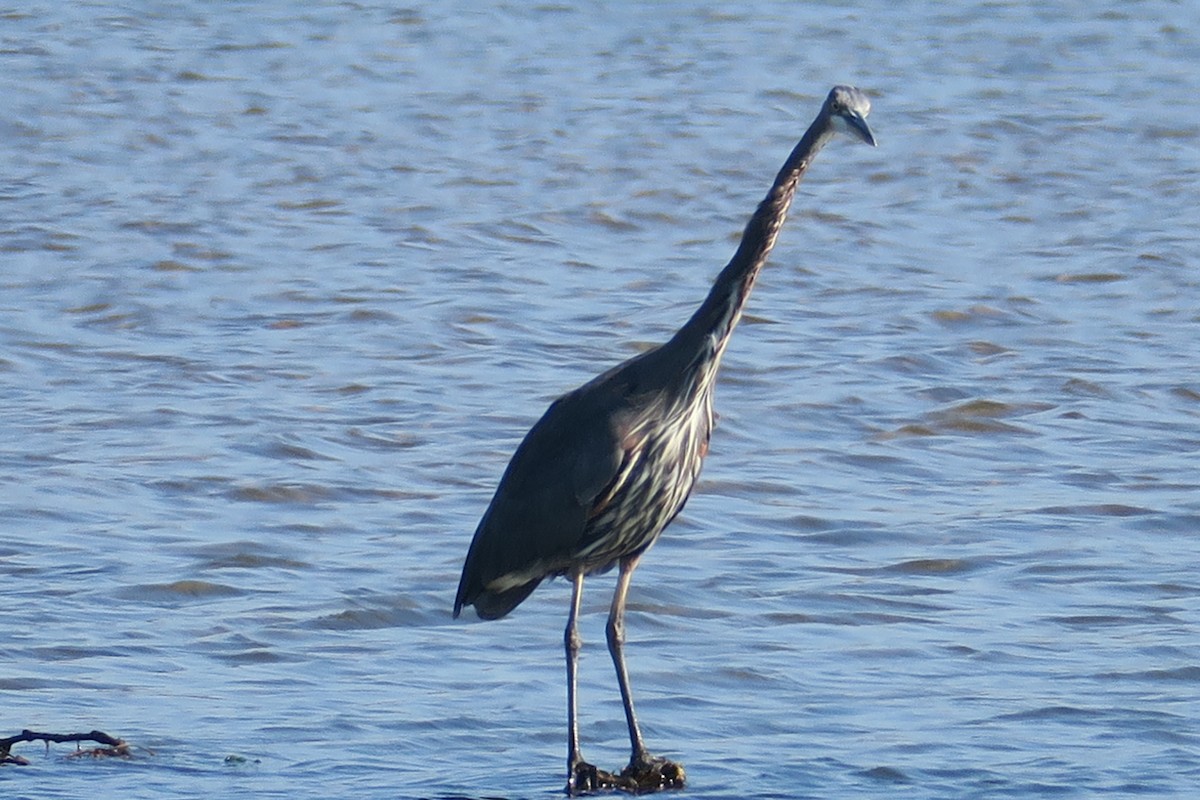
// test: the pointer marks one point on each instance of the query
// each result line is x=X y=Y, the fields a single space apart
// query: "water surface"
x=283 y=287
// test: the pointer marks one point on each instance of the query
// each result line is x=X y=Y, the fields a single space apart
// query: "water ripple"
x=284 y=287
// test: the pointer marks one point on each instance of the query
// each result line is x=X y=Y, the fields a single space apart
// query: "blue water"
x=282 y=287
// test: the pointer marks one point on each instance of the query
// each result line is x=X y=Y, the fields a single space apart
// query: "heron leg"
x=645 y=771
x=581 y=776
x=616 y=648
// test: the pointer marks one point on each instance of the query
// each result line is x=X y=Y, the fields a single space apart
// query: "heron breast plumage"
x=660 y=466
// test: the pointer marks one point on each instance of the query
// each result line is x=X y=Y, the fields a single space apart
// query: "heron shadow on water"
x=610 y=464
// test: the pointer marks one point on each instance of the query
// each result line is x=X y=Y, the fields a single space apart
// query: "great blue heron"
x=610 y=464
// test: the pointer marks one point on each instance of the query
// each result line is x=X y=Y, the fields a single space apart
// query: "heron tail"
x=494 y=605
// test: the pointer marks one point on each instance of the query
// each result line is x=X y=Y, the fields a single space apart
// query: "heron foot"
x=583 y=778
x=642 y=776
x=649 y=774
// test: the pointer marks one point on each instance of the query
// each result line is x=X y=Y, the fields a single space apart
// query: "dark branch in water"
x=111 y=745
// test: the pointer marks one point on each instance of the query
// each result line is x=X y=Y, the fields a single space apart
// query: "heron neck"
x=718 y=315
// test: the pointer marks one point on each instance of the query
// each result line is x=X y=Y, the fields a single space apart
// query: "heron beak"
x=856 y=125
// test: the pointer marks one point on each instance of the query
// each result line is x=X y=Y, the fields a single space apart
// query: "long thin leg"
x=644 y=773
x=581 y=776
x=573 y=644
x=616 y=648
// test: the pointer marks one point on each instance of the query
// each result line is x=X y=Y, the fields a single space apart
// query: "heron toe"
x=584 y=778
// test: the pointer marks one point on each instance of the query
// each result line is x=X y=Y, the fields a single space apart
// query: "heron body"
x=596 y=479
x=610 y=464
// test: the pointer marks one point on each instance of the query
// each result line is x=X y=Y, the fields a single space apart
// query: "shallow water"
x=283 y=287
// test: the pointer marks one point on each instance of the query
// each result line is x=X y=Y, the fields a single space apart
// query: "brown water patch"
x=1089 y=277
x=1098 y=510
x=932 y=566
x=189 y=589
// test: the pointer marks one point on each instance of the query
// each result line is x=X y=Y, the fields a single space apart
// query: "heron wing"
x=539 y=513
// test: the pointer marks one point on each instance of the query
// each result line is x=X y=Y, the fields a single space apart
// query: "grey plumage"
x=610 y=464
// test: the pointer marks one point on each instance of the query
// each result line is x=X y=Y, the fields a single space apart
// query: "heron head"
x=848 y=108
